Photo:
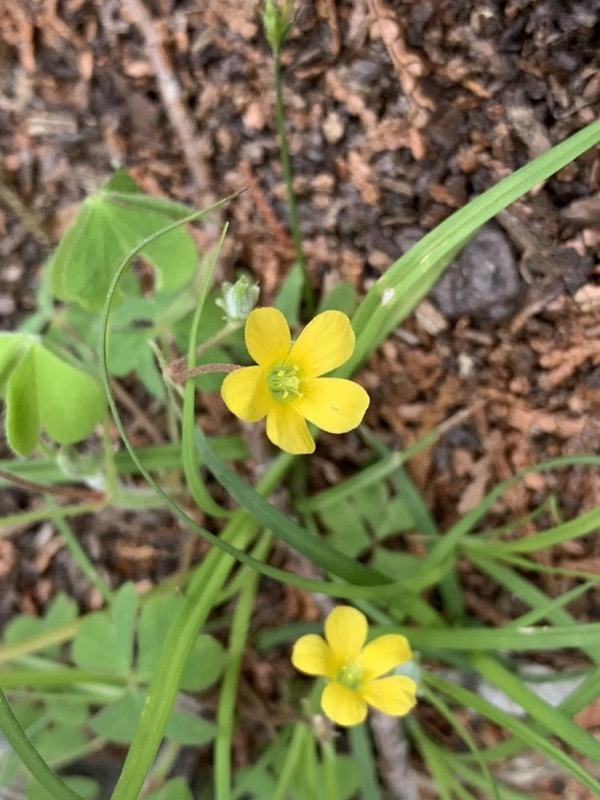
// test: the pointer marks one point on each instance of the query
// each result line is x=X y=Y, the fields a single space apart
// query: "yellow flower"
x=286 y=387
x=354 y=670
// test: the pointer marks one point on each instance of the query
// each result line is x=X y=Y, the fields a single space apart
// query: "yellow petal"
x=288 y=430
x=312 y=655
x=346 y=631
x=245 y=393
x=395 y=695
x=383 y=654
x=332 y=404
x=343 y=705
x=325 y=343
x=267 y=336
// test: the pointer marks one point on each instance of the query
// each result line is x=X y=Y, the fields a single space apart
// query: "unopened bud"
x=277 y=19
x=238 y=299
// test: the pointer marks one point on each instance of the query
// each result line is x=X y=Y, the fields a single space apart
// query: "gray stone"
x=483 y=282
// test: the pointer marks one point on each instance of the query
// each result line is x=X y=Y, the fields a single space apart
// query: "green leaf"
x=57 y=741
x=22 y=409
x=204 y=665
x=118 y=720
x=289 y=296
x=61 y=611
x=396 y=564
x=107 y=644
x=69 y=710
x=343 y=297
x=131 y=352
x=107 y=227
x=206 y=660
x=70 y=401
x=45 y=392
x=155 y=618
x=176 y=789
x=95 y=646
x=12 y=347
x=187 y=729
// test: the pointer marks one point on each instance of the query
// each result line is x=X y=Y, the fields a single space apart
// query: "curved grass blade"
x=555 y=722
x=443 y=708
x=410 y=278
x=188 y=452
x=527 y=734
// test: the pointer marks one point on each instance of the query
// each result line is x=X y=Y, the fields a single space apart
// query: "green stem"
x=163 y=765
x=18 y=740
x=203 y=590
x=27 y=517
x=180 y=364
x=291 y=762
x=229 y=684
x=362 y=754
x=286 y=167
x=57 y=678
x=328 y=755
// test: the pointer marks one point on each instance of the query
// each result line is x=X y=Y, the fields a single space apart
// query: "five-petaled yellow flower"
x=286 y=386
x=354 y=670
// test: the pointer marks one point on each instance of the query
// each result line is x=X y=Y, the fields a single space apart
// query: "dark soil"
x=398 y=114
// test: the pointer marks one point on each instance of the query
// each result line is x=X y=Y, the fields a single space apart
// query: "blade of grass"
x=37 y=766
x=362 y=753
x=433 y=758
x=525 y=732
x=552 y=719
x=410 y=278
x=436 y=701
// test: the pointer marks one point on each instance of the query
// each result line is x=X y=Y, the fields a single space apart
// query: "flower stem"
x=175 y=368
x=203 y=369
x=242 y=616
x=286 y=166
x=293 y=757
x=328 y=754
x=17 y=738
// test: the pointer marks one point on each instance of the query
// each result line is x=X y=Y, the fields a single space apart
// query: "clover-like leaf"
x=175 y=789
x=108 y=226
x=106 y=643
x=45 y=392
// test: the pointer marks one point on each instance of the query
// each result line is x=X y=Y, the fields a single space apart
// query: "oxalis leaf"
x=43 y=392
x=108 y=226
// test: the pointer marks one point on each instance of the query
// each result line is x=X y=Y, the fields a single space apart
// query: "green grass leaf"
x=411 y=277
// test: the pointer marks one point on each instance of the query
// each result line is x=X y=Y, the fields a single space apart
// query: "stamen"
x=350 y=675
x=283 y=382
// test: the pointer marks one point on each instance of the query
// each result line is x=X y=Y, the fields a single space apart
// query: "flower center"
x=350 y=675
x=284 y=383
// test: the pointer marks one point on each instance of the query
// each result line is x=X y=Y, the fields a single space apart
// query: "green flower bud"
x=238 y=299
x=277 y=20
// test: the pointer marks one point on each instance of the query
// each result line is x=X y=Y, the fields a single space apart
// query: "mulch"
x=398 y=113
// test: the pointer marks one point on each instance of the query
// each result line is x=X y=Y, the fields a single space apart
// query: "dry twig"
x=170 y=92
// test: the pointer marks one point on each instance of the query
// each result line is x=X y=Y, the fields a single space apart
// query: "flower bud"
x=238 y=299
x=277 y=20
